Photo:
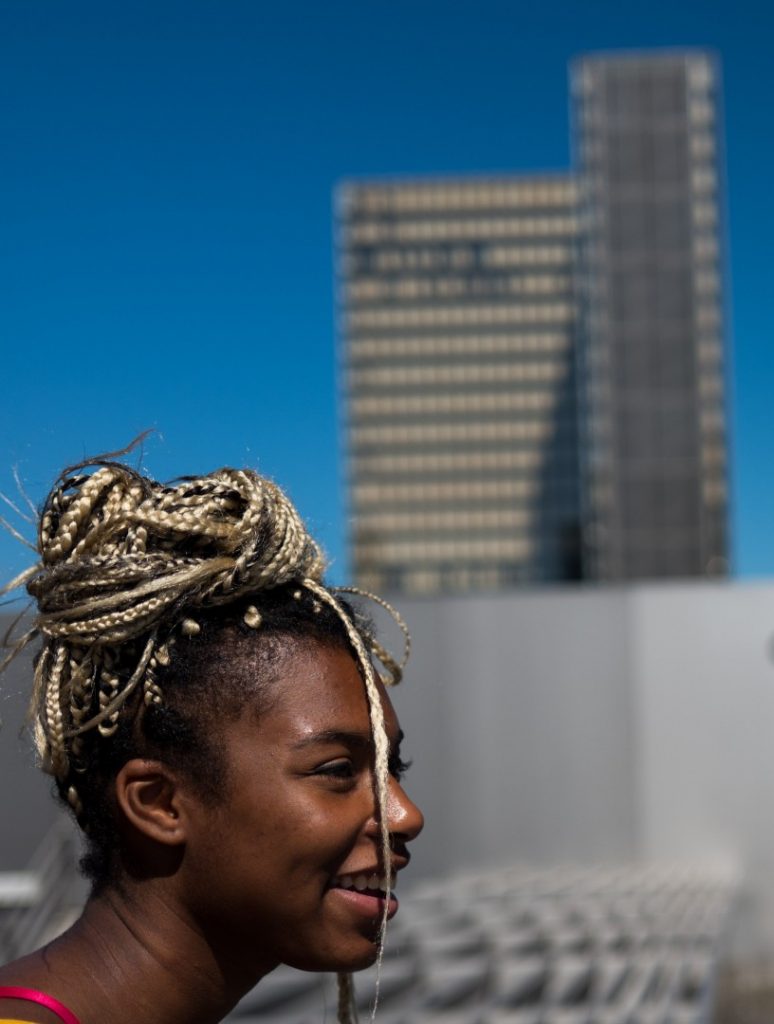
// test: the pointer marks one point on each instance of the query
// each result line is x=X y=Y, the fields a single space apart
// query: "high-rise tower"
x=651 y=345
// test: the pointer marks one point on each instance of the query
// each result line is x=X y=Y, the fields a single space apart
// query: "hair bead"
x=252 y=617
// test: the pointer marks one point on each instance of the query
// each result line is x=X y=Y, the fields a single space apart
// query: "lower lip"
x=368 y=906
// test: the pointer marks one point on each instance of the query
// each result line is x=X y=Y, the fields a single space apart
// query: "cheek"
x=294 y=827
x=317 y=834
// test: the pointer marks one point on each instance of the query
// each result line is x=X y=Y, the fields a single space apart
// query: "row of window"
x=447 y=520
x=483 y=228
x=713 y=462
x=637 y=155
x=467 y=195
x=430 y=581
x=383 y=434
x=631 y=255
x=501 y=256
x=432 y=550
x=453 y=404
x=590 y=72
x=653 y=353
x=647 y=407
x=449 y=462
x=475 y=373
x=630 y=103
x=370 y=289
x=456 y=257
x=365 y=347
x=637 y=373
x=425 y=491
x=473 y=315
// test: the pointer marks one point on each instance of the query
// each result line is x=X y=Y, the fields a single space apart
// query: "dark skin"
x=212 y=898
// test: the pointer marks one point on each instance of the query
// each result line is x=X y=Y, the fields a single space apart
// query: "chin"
x=340 y=962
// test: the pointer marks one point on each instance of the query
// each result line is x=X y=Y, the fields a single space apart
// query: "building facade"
x=651 y=344
x=457 y=325
x=534 y=364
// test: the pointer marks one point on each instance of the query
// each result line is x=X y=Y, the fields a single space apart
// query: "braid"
x=54 y=718
x=346 y=1012
x=129 y=566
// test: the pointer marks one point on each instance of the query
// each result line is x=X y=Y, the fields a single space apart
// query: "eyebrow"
x=347 y=739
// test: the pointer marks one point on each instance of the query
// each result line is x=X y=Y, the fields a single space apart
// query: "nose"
x=404 y=819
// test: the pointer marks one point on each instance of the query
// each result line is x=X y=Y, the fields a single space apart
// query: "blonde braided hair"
x=125 y=564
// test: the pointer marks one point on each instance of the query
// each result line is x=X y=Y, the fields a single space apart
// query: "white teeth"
x=363 y=882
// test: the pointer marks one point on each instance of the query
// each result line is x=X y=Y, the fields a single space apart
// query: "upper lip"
x=398 y=863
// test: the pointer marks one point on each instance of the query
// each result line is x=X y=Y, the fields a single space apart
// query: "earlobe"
x=148 y=795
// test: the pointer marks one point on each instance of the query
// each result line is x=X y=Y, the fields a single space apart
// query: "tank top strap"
x=31 y=995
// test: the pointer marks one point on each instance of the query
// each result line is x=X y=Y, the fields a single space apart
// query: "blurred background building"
x=534 y=365
x=459 y=326
x=650 y=289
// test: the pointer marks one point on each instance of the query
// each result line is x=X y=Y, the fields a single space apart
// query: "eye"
x=341 y=768
x=398 y=767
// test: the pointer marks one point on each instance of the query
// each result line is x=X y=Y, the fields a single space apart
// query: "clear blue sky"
x=165 y=212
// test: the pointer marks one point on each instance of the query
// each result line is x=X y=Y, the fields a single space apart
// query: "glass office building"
x=651 y=344
x=457 y=321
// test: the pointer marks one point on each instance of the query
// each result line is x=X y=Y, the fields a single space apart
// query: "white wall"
x=517 y=713
x=598 y=724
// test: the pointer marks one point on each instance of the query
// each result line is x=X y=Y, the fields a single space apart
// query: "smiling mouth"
x=366 y=895
x=370 y=885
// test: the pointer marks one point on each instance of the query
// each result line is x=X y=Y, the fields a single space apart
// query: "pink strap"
x=31 y=995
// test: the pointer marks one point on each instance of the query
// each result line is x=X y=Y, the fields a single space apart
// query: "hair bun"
x=119 y=552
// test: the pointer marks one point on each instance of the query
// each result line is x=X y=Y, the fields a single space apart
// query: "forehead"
x=318 y=687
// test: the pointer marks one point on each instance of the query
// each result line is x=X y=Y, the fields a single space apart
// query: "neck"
x=145 y=959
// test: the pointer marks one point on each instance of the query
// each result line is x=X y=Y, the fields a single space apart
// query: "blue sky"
x=165 y=213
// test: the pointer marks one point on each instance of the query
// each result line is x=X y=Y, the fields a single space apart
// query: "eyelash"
x=398 y=767
x=345 y=770
x=338 y=770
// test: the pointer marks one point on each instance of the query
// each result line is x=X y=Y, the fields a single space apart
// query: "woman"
x=210 y=712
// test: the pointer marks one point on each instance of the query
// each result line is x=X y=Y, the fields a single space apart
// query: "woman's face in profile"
x=288 y=864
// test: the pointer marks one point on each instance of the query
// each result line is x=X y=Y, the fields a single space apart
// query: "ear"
x=149 y=796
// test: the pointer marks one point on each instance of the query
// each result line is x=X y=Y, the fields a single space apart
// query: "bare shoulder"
x=29 y=972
